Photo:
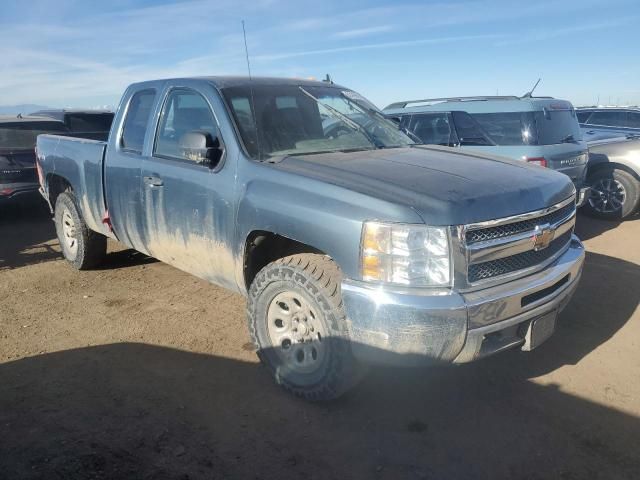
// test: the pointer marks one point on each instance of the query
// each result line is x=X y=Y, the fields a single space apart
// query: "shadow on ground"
x=589 y=227
x=138 y=411
x=28 y=236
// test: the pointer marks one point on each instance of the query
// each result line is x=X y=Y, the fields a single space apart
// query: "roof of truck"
x=240 y=81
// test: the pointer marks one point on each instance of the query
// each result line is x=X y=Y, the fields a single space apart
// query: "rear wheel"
x=297 y=320
x=81 y=247
x=615 y=194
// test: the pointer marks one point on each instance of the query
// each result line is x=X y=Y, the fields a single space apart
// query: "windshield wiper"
x=382 y=117
x=344 y=118
x=278 y=158
x=568 y=139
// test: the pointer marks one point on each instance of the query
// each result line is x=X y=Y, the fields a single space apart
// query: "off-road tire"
x=317 y=278
x=91 y=246
x=632 y=189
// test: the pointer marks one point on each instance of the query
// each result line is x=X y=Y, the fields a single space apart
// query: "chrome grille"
x=520 y=261
x=501 y=231
x=516 y=245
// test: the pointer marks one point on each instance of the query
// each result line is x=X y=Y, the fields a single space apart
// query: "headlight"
x=415 y=255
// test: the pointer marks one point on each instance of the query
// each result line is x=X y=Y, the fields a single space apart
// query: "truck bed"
x=80 y=161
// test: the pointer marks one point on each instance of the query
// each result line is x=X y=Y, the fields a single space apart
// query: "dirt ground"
x=138 y=370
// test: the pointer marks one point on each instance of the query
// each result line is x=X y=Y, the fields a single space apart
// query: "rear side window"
x=583 y=116
x=509 y=128
x=430 y=128
x=135 y=124
x=633 y=119
x=609 y=119
x=470 y=131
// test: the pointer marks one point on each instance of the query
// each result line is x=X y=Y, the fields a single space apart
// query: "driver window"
x=184 y=112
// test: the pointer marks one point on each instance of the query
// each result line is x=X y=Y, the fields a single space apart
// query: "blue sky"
x=84 y=53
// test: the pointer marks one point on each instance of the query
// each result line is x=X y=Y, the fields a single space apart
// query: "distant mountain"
x=24 y=109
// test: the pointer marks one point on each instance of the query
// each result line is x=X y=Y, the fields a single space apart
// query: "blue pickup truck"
x=353 y=244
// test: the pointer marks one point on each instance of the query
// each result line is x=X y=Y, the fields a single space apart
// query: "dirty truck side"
x=352 y=244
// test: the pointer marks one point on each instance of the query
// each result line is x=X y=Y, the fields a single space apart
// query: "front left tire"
x=297 y=320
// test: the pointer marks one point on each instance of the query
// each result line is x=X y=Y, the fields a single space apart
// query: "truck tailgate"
x=79 y=161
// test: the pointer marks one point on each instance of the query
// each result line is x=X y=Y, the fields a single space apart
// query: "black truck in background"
x=18 y=134
x=89 y=124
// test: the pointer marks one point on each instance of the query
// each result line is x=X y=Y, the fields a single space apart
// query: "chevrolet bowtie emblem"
x=542 y=236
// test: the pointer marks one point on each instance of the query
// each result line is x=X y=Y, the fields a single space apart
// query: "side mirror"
x=201 y=147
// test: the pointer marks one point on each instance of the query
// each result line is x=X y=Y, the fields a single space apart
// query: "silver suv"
x=539 y=130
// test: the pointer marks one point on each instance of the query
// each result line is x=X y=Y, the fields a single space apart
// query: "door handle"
x=153 y=181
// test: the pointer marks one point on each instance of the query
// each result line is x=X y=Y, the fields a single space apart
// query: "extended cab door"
x=189 y=203
x=122 y=171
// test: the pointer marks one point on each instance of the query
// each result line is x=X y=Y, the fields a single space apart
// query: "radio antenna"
x=530 y=92
x=253 y=104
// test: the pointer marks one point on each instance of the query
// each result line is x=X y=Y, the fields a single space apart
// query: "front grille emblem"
x=542 y=236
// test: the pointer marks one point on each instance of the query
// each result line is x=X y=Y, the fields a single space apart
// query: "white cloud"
x=372 y=46
x=363 y=32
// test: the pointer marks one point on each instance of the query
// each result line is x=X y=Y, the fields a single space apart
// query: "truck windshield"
x=296 y=120
x=23 y=135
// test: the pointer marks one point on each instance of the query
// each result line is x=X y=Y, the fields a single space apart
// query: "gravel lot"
x=138 y=370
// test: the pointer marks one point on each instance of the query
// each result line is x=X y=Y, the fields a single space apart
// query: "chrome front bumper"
x=416 y=327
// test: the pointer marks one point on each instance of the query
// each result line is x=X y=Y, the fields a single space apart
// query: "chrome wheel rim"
x=296 y=332
x=69 y=234
x=607 y=196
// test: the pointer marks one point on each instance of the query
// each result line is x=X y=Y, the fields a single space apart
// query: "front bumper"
x=417 y=327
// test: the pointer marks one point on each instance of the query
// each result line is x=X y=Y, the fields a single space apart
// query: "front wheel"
x=615 y=194
x=297 y=320
x=83 y=248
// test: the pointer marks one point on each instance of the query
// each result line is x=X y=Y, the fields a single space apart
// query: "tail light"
x=541 y=161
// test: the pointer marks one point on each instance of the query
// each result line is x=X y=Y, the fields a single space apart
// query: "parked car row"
x=353 y=241
x=18 y=177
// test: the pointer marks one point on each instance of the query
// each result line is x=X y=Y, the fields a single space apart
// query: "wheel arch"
x=262 y=247
x=600 y=166
x=56 y=184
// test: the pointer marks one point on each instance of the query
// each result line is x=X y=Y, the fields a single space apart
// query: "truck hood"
x=444 y=186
